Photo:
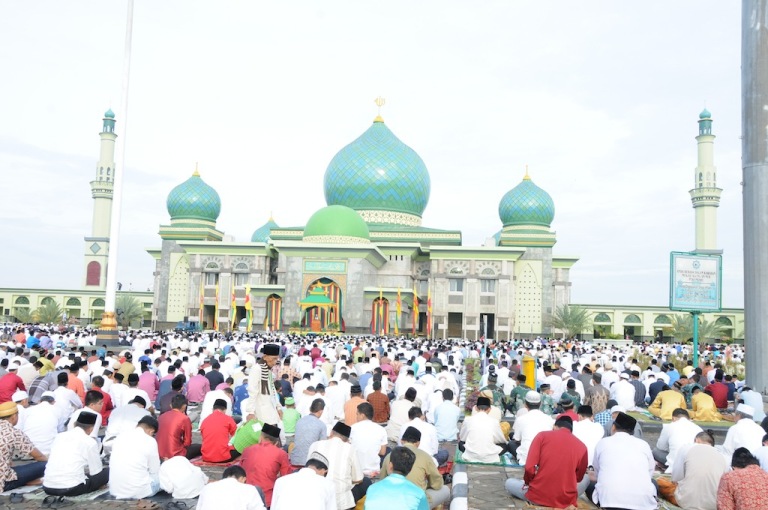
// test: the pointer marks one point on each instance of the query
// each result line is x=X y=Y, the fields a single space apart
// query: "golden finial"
x=271 y=218
x=380 y=101
x=527 y=177
x=196 y=173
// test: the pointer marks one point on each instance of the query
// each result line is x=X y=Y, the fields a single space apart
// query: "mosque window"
x=98 y=303
x=48 y=301
x=488 y=271
x=456 y=284
x=241 y=279
x=22 y=300
x=73 y=301
x=93 y=273
x=211 y=279
x=488 y=286
x=632 y=319
x=602 y=317
x=723 y=321
x=662 y=319
x=456 y=270
x=423 y=286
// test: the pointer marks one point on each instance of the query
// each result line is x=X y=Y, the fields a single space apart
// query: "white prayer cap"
x=746 y=409
x=19 y=395
x=618 y=409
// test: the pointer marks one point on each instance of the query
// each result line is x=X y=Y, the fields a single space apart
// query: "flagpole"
x=108 y=327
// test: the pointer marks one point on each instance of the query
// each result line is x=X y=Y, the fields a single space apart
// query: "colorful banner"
x=233 y=311
x=274 y=319
x=216 y=309
x=415 y=314
x=248 y=309
x=202 y=303
x=429 y=311
x=398 y=307
x=379 y=315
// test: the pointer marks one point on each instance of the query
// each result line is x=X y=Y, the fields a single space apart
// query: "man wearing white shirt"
x=609 y=376
x=42 y=423
x=67 y=400
x=72 y=453
x=231 y=493
x=528 y=425
x=480 y=438
x=135 y=462
x=212 y=396
x=307 y=489
x=587 y=431
x=744 y=433
x=623 y=392
x=369 y=440
x=674 y=436
x=124 y=419
x=94 y=401
x=428 y=442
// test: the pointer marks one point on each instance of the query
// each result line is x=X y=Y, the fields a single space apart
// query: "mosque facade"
x=365 y=263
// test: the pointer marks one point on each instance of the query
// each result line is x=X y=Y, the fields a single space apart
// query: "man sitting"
x=369 y=440
x=703 y=406
x=216 y=430
x=396 y=491
x=554 y=468
x=307 y=489
x=93 y=404
x=12 y=440
x=528 y=425
x=135 y=463
x=265 y=461
x=481 y=438
x=673 y=436
x=231 y=493
x=175 y=432
x=423 y=473
x=73 y=452
x=744 y=487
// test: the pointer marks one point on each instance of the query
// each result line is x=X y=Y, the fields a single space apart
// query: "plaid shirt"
x=603 y=418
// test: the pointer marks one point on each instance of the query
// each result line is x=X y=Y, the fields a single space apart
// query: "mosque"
x=365 y=263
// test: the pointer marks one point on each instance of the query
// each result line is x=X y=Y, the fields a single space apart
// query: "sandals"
x=17 y=497
x=176 y=505
x=146 y=504
x=55 y=502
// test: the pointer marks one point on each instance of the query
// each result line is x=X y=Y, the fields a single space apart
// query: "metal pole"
x=108 y=330
x=754 y=97
x=695 y=316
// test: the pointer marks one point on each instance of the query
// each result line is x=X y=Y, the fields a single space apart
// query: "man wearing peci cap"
x=262 y=397
x=308 y=488
x=14 y=441
x=72 y=454
x=343 y=466
x=745 y=433
x=528 y=425
x=623 y=469
x=265 y=461
x=135 y=464
x=480 y=437
x=124 y=419
x=350 y=408
x=554 y=468
x=216 y=431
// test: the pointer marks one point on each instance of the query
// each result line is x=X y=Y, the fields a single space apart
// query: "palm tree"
x=572 y=320
x=23 y=315
x=130 y=311
x=682 y=328
x=49 y=312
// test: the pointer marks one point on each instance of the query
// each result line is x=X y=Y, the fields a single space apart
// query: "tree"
x=23 y=315
x=129 y=311
x=50 y=312
x=572 y=320
x=682 y=328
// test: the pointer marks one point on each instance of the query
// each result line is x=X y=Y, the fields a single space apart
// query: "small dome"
x=109 y=114
x=705 y=114
x=527 y=204
x=378 y=172
x=261 y=234
x=336 y=224
x=497 y=237
x=194 y=199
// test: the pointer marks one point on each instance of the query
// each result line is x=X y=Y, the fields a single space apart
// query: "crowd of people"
x=345 y=422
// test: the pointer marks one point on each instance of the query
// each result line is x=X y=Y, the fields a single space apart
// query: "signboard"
x=695 y=282
x=325 y=266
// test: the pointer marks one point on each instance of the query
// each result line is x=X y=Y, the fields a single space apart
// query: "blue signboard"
x=695 y=282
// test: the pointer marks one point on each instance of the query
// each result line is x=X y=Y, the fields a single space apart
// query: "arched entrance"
x=274 y=318
x=325 y=313
x=380 y=316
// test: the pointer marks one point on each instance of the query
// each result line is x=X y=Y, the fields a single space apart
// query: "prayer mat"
x=162 y=498
x=83 y=497
x=26 y=489
x=198 y=461
x=458 y=459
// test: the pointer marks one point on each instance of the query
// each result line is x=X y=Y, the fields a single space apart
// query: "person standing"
x=554 y=468
x=624 y=468
x=72 y=453
x=262 y=397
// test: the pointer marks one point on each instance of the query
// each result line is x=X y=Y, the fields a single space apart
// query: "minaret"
x=97 y=244
x=705 y=195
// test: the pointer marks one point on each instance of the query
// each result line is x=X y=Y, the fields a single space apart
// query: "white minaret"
x=705 y=195
x=97 y=244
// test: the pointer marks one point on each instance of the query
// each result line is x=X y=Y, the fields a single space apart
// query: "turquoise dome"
x=336 y=224
x=109 y=114
x=193 y=199
x=378 y=172
x=705 y=114
x=261 y=234
x=527 y=204
x=497 y=237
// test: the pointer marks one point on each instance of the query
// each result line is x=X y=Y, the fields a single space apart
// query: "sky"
x=600 y=99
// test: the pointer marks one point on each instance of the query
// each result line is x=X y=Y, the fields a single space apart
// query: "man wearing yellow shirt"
x=666 y=402
x=703 y=406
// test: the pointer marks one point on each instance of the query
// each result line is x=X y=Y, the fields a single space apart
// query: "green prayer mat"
x=458 y=459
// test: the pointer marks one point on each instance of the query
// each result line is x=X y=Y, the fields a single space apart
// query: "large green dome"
x=336 y=224
x=193 y=199
x=261 y=234
x=527 y=204
x=380 y=177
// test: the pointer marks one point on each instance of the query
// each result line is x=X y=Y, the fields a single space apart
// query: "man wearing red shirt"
x=74 y=383
x=556 y=463
x=216 y=430
x=174 y=436
x=10 y=382
x=719 y=391
x=97 y=384
x=265 y=461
